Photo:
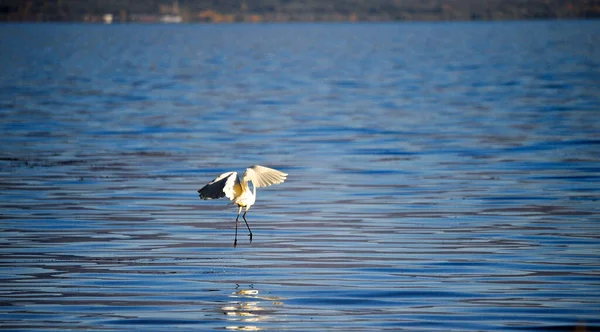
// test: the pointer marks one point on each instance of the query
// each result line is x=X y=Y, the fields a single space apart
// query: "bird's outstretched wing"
x=225 y=185
x=263 y=176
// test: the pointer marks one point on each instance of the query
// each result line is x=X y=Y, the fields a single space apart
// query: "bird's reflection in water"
x=248 y=307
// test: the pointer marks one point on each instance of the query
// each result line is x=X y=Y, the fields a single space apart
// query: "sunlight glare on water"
x=441 y=176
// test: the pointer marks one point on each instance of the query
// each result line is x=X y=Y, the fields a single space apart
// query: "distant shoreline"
x=300 y=22
x=283 y=11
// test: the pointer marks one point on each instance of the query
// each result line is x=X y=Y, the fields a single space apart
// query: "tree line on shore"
x=176 y=11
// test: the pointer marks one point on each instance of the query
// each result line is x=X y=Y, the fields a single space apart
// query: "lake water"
x=441 y=176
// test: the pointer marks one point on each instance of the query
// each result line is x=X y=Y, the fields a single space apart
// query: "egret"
x=229 y=185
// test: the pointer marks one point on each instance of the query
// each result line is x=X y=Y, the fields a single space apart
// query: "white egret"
x=229 y=185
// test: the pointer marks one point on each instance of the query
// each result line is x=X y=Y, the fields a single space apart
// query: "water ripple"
x=442 y=176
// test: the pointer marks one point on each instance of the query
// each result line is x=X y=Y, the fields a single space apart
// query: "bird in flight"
x=229 y=185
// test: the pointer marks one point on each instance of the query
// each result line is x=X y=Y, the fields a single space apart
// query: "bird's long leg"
x=249 y=230
x=236 y=222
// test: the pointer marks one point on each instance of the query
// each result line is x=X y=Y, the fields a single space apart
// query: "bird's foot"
x=250 y=235
x=235 y=243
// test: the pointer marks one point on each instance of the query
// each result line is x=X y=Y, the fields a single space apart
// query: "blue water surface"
x=441 y=176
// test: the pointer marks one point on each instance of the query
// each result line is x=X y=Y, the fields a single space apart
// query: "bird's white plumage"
x=225 y=185
x=263 y=176
x=229 y=185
